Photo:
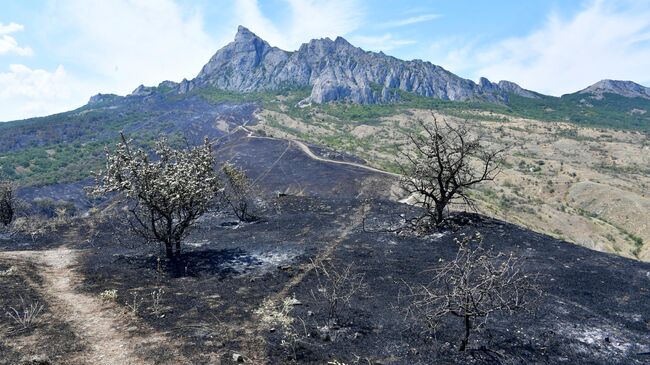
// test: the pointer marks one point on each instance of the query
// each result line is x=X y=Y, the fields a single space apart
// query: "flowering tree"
x=7 y=203
x=169 y=190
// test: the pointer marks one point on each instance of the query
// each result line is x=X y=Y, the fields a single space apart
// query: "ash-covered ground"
x=595 y=308
x=221 y=303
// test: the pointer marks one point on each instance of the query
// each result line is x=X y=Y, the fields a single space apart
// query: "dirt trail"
x=105 y=329
x=307 y=151
x=352 y=223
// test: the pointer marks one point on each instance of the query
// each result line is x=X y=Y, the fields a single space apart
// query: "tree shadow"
x=221 y=263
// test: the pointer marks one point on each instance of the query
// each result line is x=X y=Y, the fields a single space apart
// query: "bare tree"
x=7 y=203
x=446 y=163
x=336 y=286
x=473 y=286
x=239 y=193
x=168 y=191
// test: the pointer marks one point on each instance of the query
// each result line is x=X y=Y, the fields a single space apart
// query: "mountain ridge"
x=337 y=71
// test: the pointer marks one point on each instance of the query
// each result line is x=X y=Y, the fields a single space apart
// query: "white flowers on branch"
x=169 y=189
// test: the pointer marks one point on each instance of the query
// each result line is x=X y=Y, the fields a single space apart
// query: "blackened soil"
x=595 y=308
x=279 y=166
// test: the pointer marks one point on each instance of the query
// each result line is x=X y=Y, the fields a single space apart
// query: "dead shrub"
x=473 y=286
x=336 y=286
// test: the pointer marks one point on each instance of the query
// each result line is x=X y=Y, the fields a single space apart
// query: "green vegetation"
x=269 y=99
x=67 y=146
x=612 y=111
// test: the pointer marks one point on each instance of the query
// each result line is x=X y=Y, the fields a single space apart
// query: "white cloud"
x=106 y=46
x=604 y=40
x=8 y=44
x=10 y=28
x=411 y=20
x=384 y=42
x=124 y=43
x=447 y=53
x=307 y=19
x=26 y=92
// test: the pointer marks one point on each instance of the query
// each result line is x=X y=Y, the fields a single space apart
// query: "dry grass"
x=584 y=185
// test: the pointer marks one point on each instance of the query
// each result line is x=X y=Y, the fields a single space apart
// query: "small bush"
x=27 y=315
x=337 y=286
x=109 y=295
x=7 y=203
x=11 y=271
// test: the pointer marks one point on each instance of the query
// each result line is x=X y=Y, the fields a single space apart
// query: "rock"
x=511 y=87
x=237 y=357
x=324 y=333
x=143 y=91
x=38 y=360
x=101 y=98
x=335 y=70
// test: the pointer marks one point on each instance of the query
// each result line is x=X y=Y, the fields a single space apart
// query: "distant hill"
x=623 y=88
x=64 y=147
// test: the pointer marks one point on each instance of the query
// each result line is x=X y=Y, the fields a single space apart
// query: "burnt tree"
x=473 y=286
x=444 y=163
x=240 y=193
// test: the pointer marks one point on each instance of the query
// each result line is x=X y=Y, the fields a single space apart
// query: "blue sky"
x=55 y=54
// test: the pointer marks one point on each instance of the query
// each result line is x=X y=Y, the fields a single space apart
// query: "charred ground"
x=216 y=297
x=594 y=310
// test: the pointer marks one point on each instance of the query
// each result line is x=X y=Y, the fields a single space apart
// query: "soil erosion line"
x=349 y=225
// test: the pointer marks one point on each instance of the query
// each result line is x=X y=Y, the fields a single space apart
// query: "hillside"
x=577 y=168
x=223 y=303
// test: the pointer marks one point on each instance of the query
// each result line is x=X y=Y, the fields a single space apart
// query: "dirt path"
x=306 y=150
x=102 y=325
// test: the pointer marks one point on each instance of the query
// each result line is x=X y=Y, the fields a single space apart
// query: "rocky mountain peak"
x=245 y=35
x=335 y=70
x=624 y=88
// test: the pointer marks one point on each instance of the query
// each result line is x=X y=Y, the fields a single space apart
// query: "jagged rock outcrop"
x=335 y=70
x=101 y=98
x=511 y=87
x=143 y=91
x=624 y=88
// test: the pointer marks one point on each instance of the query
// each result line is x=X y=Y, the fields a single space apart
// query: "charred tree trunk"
x=178 y=248
x=468 y=327
x=440 y=214
x=169 y=253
